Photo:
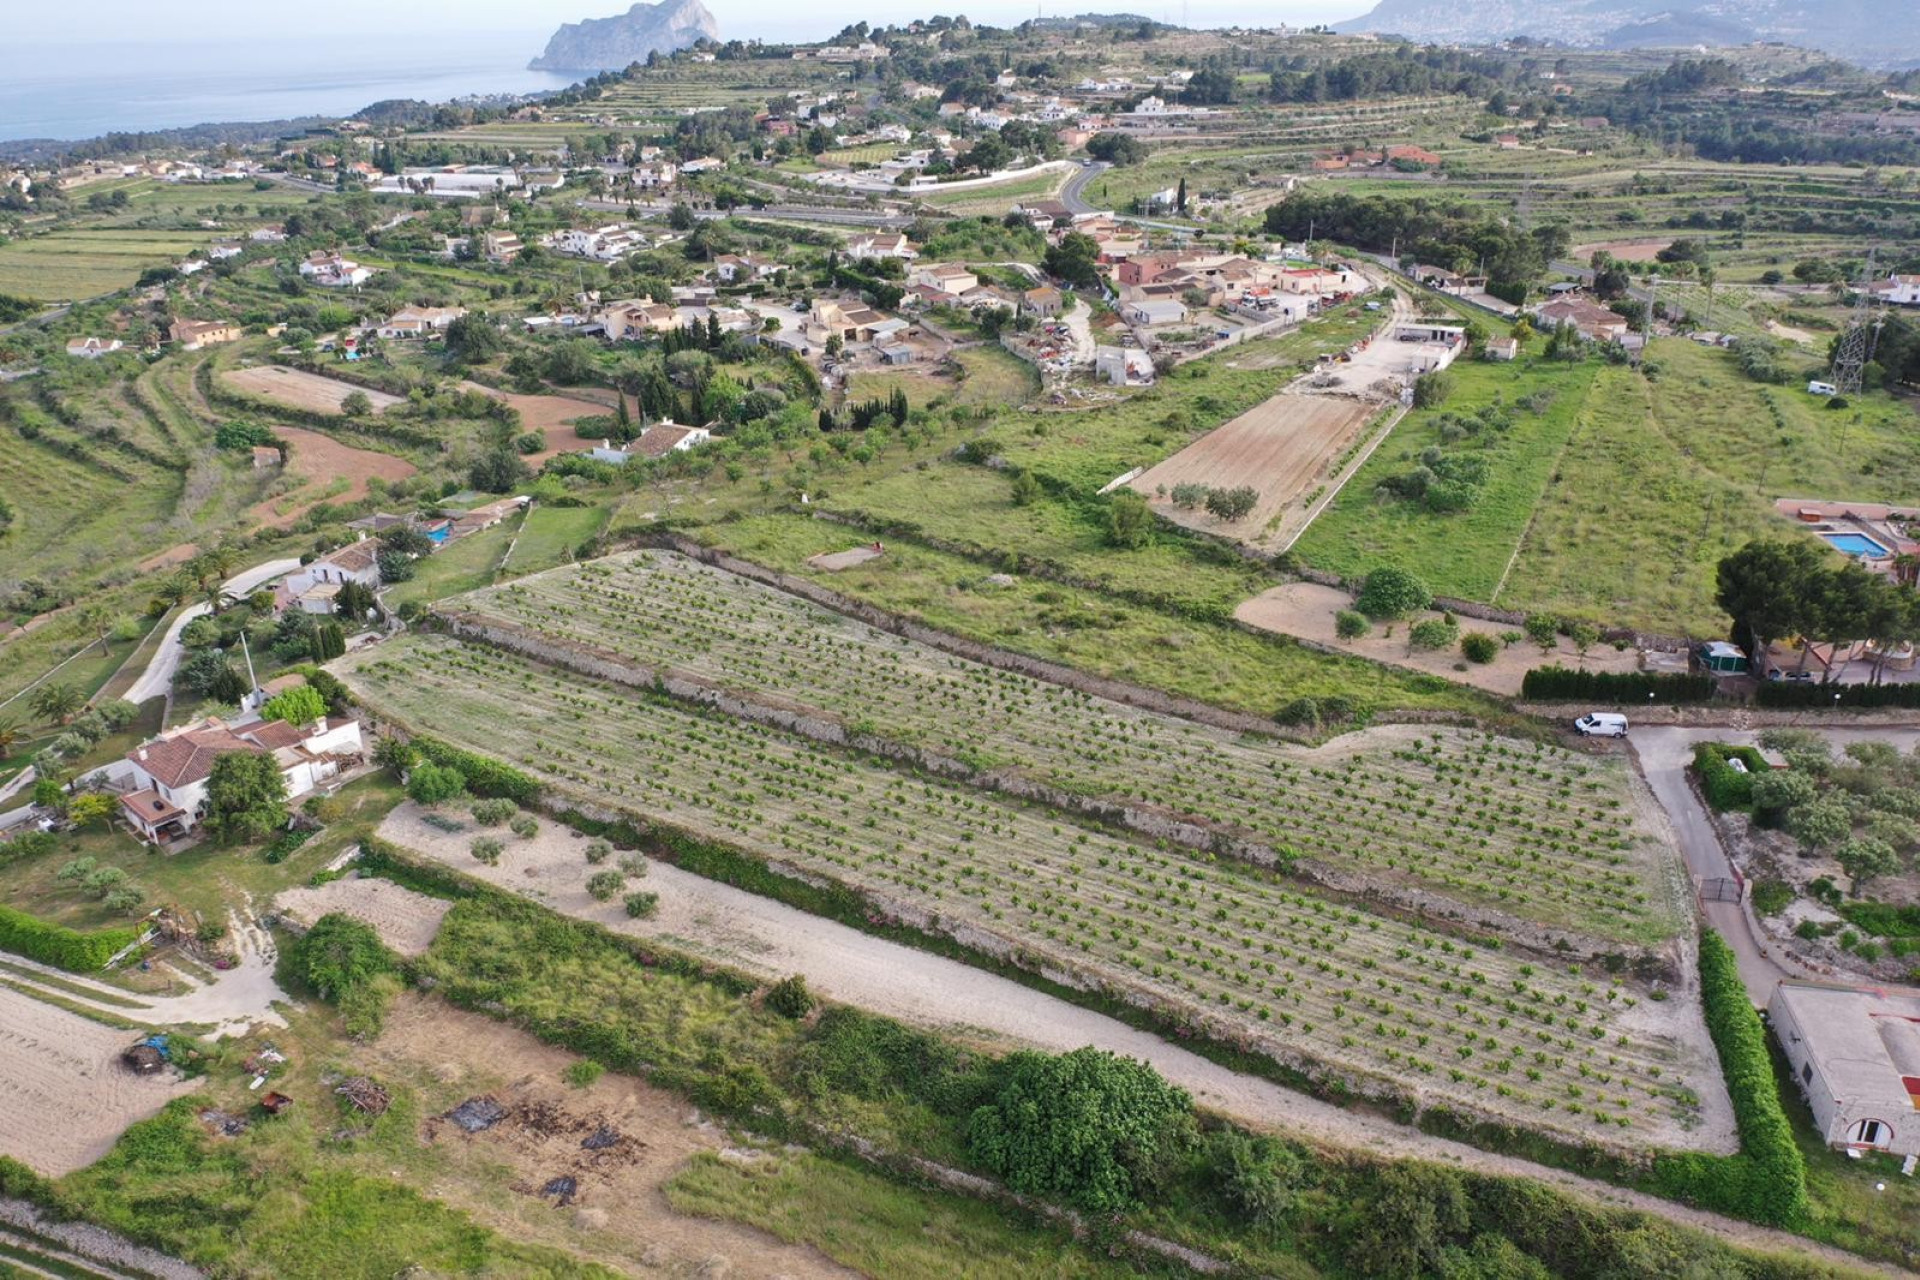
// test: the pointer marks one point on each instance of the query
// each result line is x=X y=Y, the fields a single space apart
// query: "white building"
x=1855 y=1053
x=92 y=348
x=1155 y=311
x=331 y=271
x=419 y=322
x=162 y=784
x=601 y=244
x=1123 y=366
x=882 y=245
x=316 y=587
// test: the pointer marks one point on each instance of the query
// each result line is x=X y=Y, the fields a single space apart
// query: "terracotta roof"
x=658 y=441
x=188 y=757
x=353 y=557
x=275 y=734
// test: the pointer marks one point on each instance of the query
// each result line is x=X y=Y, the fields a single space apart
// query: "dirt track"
x=761 y=936
x=301 y=390
x=64 y=1098
x=1279 y=447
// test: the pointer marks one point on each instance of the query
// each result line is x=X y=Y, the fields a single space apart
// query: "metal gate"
x=1720 y=890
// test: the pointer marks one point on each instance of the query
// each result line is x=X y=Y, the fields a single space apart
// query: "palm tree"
x=9 y=737
x=221 y=560
x=57 y=702
x=95 y=618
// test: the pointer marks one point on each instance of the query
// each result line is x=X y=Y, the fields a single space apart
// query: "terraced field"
x=1529 y=831
x=1386 y=1007
x=71 y=265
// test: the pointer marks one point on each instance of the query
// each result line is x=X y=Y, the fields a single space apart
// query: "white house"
x=737 y=268
x=1153 y=311
x=947 y=277
x=221 y=252
x=602 y=244
x=882 y=245
x=1901 y=291
x=316 y=586
x=92 y=348
x=331 y=271
x=1855 y=1053
x=162 y=784
x=419 y=322
x=657 y=441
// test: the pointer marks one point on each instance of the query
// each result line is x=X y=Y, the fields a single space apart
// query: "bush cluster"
x=1560 y=684
x=1725 y=786
x=1819 y=697
x=484 y=777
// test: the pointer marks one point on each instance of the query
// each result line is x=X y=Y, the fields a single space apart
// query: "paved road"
x=1663 y=754
x=158 y=677
x=1073 y=195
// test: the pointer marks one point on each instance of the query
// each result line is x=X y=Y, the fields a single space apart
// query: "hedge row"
x=64 y=948
x=1725 y=786
x=1767 y=1181
x=1852 y=697
x=484 y=777
x=1558 y=684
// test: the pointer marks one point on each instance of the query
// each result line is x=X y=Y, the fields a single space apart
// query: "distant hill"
x=1870 y=32
x=613 y=44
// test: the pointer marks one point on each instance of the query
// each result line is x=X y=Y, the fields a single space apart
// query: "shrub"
x=790 y=998
x=1254 y=1176
x=1771 y=897
x=493 y=811
x=1478 y=646
x=641 y=905
x=1088 y=1128
x=435 y=784
x=1818 y=697
x=484 y=777
x=488 y=850
x=1431 y=389
x=604 y=884
x=1350 y=624
x=1725 y=786
x=582 y=1073
x=634 y=865
x=524 y=825
x=598 y=851
x=1392 y=593
x=338 y=955
x=1232 y=504
x=1433 y=633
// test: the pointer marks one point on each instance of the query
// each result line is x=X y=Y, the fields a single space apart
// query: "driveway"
x=1073 y=195
x=158 y=677
x=1663 y=754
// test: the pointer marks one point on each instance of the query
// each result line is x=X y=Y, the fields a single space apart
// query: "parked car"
x=1601 y=724
x=1782 y=673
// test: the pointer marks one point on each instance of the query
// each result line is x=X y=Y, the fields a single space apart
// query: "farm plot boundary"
x=1111 y=918
x=305 y=392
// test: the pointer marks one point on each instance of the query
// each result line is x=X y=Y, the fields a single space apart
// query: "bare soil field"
x=1281 y=448
x=64 y=1097
x=301 y=390
x=406 y=921
x=552 y=416
x=1622 y=250
x=320 y=460
x=1306 y=610
x=619 y=1214
x=852 y=557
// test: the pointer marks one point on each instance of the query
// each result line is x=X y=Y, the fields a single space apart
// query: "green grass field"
x=550 y=534
x=461 y=566
x=70 y=265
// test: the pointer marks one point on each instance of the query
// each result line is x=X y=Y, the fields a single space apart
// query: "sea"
x=72 y=91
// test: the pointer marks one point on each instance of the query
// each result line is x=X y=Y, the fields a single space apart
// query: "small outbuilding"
x=1855 y=1054
x=1719 y=658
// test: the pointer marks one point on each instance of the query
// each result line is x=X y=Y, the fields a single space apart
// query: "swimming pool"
x=1858 y=545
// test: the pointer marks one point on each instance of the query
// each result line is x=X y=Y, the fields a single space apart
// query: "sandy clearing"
x=301 y=390
x=552 y=416
x=1622 y=250
x=1789 y=333
x=852 y=557
x=1279 y=447
x=64 y=1098
x=622 y=1217
x=320 y=460
x=406 y=921
x=1306 y=610
x=768 y=938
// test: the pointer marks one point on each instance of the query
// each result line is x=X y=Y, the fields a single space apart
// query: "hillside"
x=612 y=44
x=1875 y=35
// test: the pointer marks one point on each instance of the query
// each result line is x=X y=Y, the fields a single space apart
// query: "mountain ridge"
x=593 y=45
x=1875 y=35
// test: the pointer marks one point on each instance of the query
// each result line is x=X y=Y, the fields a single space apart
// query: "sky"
x=384 y=21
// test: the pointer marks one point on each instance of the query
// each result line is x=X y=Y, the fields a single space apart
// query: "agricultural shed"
x=1720 y=658
x=1855 y=1054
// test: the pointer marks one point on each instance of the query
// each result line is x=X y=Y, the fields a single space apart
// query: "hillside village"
x=1084 y=649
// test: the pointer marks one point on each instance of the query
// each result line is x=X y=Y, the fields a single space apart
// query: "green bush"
x=524 y=825
x=1767 y=1181
x=641 y=905
x=1433 y=633
x=488 y=850
x=493 y=811
x=435 y=784
x=1725 y=786
x=1392 y=593
x=598 y=851
x=1478 y=646
x=1881 y=919
x=484 y=777
x=337 y=955
x=604 y=884
x=1350 y=624
x=64 y=948
x=1793 y=695
x=790 y=998
x=1771 y=897
x=582 y=1073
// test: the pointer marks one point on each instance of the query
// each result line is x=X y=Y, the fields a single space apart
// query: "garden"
x=1357 y=1000
x=1506 y=811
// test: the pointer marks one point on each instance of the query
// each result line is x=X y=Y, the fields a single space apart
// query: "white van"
x=1602 y=724
x=1822 y=389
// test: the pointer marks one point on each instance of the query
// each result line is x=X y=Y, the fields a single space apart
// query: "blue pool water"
x=1856 y=544
x=439 y=535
